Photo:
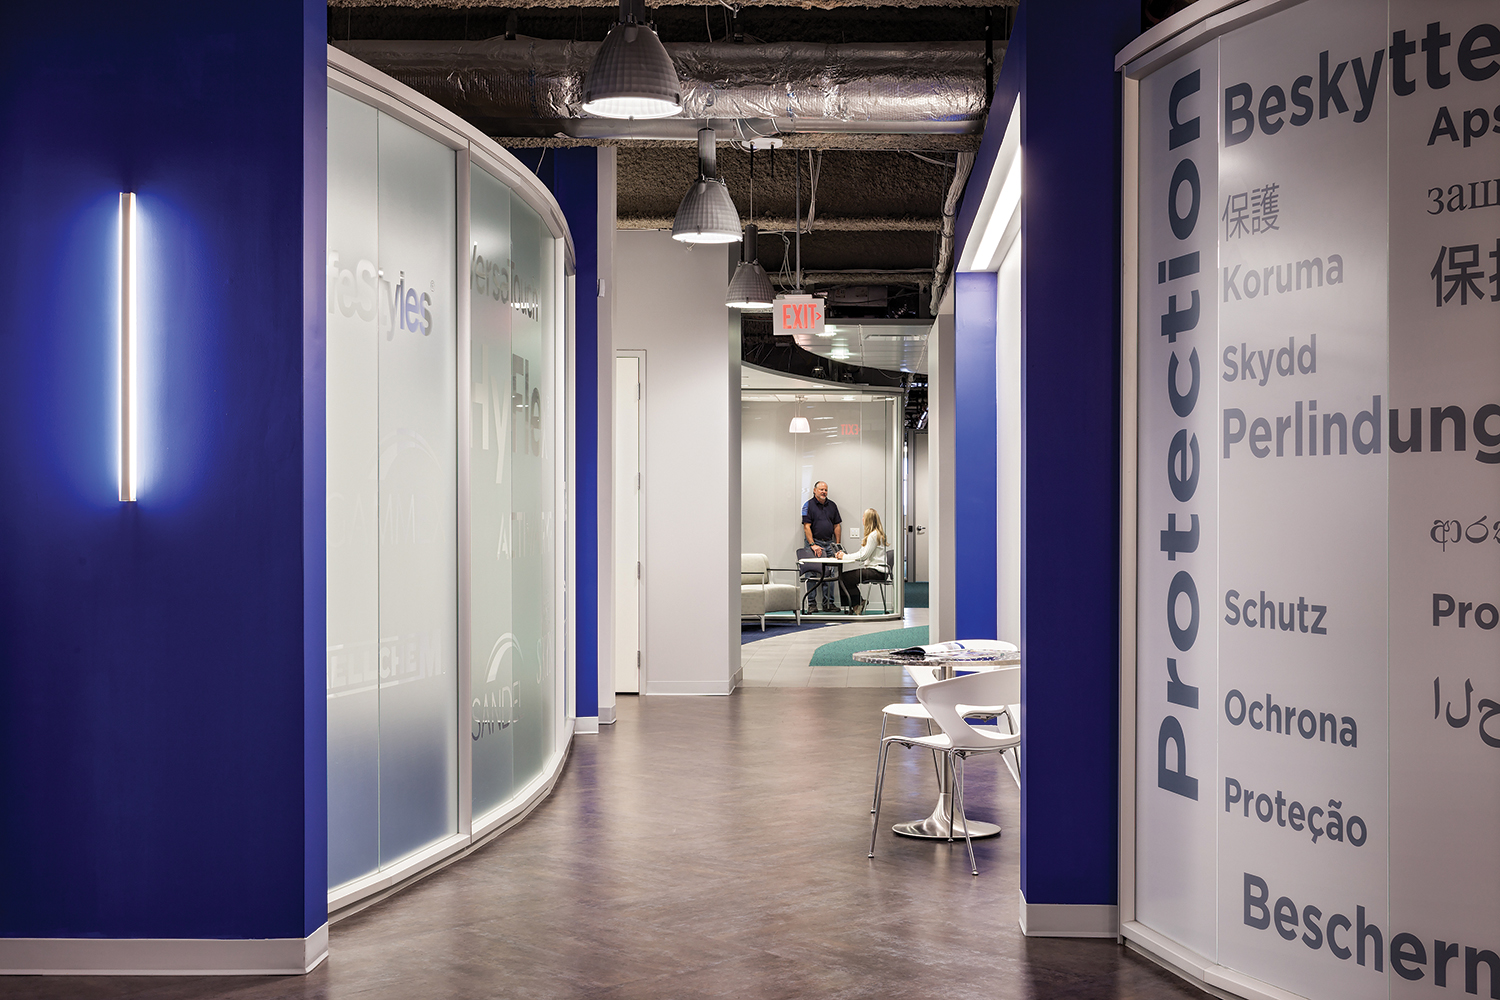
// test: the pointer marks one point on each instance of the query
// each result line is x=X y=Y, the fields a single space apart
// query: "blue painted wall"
x=974 y=467
x=162 y=719
x=572 y=175
x=1060 y=61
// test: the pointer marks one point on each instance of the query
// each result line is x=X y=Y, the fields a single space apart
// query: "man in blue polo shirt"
x=822 y=527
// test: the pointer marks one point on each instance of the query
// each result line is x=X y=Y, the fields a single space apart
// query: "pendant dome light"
x=632 y=75
x=750 y=288
x=799 y=422
x=707 y=213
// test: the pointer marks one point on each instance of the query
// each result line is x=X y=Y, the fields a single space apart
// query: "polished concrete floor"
x=708 y=847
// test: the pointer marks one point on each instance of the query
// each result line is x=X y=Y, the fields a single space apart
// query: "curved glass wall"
x=853 y=443
x=443 y=618
x=512 y=454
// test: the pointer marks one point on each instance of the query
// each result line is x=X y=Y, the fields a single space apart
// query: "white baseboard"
x=1069 y=920
x=606 y=715
x=1202 y=972
x=687 y=688
x=163 y=956
x=585 y=724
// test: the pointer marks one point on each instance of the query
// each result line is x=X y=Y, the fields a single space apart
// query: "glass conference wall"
x=445 y=698
x=853 y=443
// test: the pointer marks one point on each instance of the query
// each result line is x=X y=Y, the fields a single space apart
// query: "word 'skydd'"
x=1317 y=821
x=1241 y=363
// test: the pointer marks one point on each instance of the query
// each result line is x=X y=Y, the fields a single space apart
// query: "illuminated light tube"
x=999 y=220
x=128 y=270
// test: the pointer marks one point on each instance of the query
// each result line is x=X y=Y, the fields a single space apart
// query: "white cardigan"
x=870 y=556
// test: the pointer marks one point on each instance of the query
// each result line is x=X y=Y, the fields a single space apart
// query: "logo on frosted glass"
x=503 y=283
x=366 y=292
x=495 y=708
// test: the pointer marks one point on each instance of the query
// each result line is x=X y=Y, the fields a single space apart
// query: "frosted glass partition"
x=512 y=464
x=444 y=623
x=353 y=523
x=392 y=471
x=533 y=538
x=416 y=505
x=853 y=444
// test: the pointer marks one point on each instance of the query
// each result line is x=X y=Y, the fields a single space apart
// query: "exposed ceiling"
x=877 y=207
x=873 y=233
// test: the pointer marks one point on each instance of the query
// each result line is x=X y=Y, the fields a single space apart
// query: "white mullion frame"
x=465 y=429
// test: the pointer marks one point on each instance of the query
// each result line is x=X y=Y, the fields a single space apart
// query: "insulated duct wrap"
x=882 y=85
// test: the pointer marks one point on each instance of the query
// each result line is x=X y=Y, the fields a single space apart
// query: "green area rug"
x=841 y=653
x=916 y=594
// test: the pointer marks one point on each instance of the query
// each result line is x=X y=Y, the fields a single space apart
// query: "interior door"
x=628 y=471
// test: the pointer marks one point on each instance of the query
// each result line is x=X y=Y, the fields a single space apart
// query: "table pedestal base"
x=935 y=827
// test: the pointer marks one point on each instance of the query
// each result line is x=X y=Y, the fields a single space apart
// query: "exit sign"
x=797 y=314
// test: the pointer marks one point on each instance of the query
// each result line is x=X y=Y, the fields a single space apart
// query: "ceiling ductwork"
x=534 y=87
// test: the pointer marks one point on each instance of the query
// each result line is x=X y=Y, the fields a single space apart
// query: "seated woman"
x=865 y=566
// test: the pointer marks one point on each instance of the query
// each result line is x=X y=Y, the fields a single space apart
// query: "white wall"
x=850 y=447
x=669 y=302
x=1008 y=447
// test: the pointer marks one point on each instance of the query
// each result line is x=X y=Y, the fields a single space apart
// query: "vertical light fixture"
x=128 y=270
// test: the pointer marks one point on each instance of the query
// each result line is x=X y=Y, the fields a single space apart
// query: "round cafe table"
x=945 y=664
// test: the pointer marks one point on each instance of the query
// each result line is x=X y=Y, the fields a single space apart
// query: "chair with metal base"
x=912 y=710
x=947 y=702
x=907 y=710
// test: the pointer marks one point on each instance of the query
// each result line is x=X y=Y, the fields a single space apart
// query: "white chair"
x=948 y=702
x=926 y=675
x=759 y=596
x=907 y=710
